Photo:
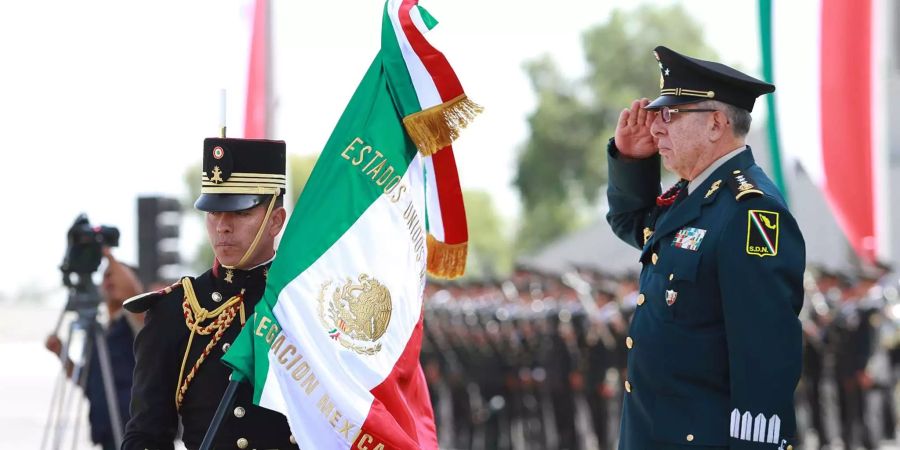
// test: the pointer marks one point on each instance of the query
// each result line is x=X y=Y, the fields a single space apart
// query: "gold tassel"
x=446 y=260
x=437 y=127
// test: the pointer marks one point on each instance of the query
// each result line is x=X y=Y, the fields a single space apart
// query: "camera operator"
x=119 y=283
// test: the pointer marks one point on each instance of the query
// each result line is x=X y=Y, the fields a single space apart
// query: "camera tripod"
x=84 y=300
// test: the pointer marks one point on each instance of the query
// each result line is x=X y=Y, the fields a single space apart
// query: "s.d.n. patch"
x=762 y=233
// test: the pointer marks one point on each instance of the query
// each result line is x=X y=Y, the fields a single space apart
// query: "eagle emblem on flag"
x=356 y=315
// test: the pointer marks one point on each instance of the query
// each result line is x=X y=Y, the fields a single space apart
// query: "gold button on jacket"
x=715 y=267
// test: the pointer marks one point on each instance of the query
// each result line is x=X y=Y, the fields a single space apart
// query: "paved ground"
x=28 y=374
x=27 y=377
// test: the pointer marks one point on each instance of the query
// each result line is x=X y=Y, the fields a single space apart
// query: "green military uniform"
x=714 y=348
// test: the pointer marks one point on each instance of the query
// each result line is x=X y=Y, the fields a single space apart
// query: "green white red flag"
x=334 y=343
x=829 y=59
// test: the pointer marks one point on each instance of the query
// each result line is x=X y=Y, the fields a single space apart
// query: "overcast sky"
x=103 y=101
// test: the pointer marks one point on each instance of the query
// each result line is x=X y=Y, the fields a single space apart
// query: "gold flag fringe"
x=446 y=260
x=437 y=127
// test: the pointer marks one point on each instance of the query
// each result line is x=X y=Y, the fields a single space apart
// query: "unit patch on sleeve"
x=689 y=238
x=762 y=233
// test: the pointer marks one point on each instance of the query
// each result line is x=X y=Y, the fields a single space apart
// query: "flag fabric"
x=826 y=59
x=256 y=114
x=334 y=343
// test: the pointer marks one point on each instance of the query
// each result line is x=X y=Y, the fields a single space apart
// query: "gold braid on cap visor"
x=687 y=92
x=243 y=183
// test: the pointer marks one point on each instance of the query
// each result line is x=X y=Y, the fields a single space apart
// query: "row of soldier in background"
x=851 y=357
x=537 y=361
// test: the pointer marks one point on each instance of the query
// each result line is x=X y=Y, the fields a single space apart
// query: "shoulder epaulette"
x=142 y=302
x=742 y=186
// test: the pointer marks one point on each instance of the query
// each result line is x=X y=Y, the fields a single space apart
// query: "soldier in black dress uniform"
x=190 y=324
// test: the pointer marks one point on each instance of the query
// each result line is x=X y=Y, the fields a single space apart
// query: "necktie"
x=668 y=198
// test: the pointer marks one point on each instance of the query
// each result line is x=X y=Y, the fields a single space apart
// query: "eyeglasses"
x=666 y=113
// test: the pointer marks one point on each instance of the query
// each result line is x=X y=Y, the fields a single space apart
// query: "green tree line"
x=561 y=167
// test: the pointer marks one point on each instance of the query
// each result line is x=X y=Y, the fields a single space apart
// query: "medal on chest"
x=670 y=297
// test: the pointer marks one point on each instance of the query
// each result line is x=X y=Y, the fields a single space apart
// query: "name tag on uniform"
x=689 y=238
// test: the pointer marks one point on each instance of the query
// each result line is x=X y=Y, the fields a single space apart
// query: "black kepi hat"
x=240 y=174
x=689 y=80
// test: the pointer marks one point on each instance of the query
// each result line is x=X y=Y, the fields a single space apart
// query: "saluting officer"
x=190 y=325
x=714 y=348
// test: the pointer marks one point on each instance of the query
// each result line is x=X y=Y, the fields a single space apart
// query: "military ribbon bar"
x=689 y=238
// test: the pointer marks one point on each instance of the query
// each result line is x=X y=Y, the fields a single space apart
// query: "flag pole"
x=224 y=406
x=765 y=36
x=222 y=113
x=231 y=389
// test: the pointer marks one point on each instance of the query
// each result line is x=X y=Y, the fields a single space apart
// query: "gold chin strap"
x=258 y=234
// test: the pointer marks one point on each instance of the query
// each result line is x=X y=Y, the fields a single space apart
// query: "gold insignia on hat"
x=687 y=92
x=663 y=72
x=713 y=188
x=217 y=175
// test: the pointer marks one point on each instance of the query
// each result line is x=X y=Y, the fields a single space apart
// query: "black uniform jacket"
x=159 y=350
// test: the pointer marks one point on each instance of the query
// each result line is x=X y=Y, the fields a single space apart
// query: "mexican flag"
x=828 y=59
x=259 y=95
x=334 y=343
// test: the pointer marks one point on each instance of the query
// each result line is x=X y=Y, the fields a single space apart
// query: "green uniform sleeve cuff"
x=639 y=177
x=737 y=444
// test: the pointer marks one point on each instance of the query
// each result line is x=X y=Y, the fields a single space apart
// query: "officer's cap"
x=239 y=174
x=689 y=80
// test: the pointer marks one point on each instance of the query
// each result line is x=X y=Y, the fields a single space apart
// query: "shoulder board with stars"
x=742 y=186
x=143 y=302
